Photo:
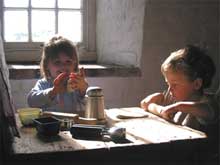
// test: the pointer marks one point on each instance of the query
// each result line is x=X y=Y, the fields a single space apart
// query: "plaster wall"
x=120 y=31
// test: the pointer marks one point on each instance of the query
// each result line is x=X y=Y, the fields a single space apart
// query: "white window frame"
x=29 y=52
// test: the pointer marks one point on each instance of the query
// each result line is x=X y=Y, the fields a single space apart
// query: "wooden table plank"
x=151 y=129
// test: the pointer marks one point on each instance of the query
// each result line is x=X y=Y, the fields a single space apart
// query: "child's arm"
x=203 y=110
x=153 y=98
x=168 y=112
x=39 y=96
x=42 y=94
x=197 y=109
x=155 y=104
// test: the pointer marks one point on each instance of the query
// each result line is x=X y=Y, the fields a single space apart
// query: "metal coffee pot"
x=95 y=103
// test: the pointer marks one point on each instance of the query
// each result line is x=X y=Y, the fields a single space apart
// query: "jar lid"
x=94 y=91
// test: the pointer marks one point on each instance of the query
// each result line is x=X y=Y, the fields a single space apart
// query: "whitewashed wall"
x=120 y=31
x=168 y=25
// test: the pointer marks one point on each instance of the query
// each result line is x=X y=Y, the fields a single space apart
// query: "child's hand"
x=153 y=98
x=168 y=112
x=60 y=83
x=78 y=81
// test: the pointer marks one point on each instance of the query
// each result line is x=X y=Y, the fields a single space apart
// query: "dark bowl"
x=48 y=126
x=84 y=131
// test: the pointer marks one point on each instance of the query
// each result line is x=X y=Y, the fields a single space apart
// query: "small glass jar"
x=66 y=124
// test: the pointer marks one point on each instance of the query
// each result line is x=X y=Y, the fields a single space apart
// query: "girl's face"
x=181 y=88
x=61 y=64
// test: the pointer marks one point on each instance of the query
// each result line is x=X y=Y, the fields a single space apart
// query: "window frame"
x=30 y=52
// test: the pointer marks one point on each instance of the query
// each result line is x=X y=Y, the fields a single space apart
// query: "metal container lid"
x=94 y=91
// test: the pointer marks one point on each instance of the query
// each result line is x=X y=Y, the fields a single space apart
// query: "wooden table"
x=148 y=134
x=151 y=129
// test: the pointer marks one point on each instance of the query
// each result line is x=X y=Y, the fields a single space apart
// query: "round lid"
x=94 y=91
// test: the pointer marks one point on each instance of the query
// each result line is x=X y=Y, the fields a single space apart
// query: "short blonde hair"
x=193 y=62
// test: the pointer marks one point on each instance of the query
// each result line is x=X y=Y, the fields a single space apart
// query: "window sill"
x=92 y=70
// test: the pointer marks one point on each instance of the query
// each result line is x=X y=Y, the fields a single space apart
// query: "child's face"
x=61 y=64
x=181 y=88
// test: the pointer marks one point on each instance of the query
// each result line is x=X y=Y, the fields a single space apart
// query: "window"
x=26 y=24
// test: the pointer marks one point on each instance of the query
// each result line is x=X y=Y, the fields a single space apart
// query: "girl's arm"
x=39 y=97
x=42 y=95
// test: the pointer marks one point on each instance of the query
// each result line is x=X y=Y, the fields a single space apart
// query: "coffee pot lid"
x=94 y=91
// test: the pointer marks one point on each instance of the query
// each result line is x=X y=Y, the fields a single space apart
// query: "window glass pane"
x=20 y=33
x=43 y=3
x=76 y=4
x=43 y=25
x=16 y=3
x=70 y=25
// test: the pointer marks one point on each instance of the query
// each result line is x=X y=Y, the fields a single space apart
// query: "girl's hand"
x=60 y=83
x=78 y=81
x=153 y=98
